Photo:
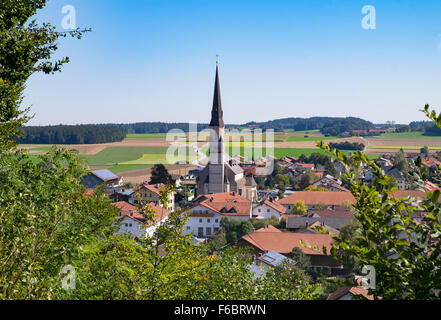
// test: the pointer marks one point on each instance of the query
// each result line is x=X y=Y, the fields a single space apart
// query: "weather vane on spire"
x=217 y=59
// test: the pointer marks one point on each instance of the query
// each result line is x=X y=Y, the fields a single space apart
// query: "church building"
x=223 y=174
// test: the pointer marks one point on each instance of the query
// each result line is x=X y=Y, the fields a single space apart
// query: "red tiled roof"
x=430 y=187
x=284 y=242
x=342 y=291
x=268 y=228
x=398 y=194
x=304 y=165
x=317 y=197
x=430 y=162
x=128 y=210
x=155 y=188
x=276 y=206
x=228 y=203
x=89 y=192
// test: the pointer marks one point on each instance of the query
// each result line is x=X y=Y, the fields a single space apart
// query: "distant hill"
x=327 y=125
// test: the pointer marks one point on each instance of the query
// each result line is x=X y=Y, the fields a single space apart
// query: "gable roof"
x=284 y=242
x=430 y=162
x=227 y=203
x=317 y=197
x=128 y=210
x=273 y=258
x=105 y=175
x=274 y=205
x=356 y=291
x=399 y=194
x=155 y=188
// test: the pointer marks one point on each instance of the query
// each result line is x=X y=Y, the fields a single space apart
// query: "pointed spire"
x=217 y=113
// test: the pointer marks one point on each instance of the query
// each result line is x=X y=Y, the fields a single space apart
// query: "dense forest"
x=80 y=134
x=327 y=125
x=157 y=127
x=429 y=128
x=348 y=145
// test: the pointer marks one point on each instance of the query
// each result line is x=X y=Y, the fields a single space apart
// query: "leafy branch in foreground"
x=404 y=252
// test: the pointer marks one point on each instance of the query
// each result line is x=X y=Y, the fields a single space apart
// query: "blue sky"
x=154 y=60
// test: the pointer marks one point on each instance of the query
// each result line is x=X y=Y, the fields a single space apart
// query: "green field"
x=136 y=136
x=302 y=131
x=404 y=148
x=297 y=138
x=122 y=155
x=406 y=135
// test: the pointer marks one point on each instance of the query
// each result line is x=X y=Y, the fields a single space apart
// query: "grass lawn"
x=406 y=135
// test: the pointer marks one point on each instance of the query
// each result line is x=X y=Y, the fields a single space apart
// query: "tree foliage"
x=404 y=253
x=25 y=48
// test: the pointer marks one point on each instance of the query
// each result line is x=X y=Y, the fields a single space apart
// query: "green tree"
x=299 y=208
x=400 y=162
x=160 y=174
x=26 y=48
x=404 y=254
x=425 y=151
x=281 y=180
x=45 y=221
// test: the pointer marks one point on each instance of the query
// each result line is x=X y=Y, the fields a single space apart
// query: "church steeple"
x=216 y=112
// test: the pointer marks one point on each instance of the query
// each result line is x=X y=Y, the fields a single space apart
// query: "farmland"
x=134 y=156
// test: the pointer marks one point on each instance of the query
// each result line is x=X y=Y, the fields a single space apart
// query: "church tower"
x=223 y=174
x=216 y=176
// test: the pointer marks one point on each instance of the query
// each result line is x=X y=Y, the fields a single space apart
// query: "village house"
x=330 y=183
x=208 y=210
x=135 y=224
x=102 y=177
x=399 y=177
x=302 y=166
x=268 y=209
x=430 y=162
x=121 y=194
x=314 y=199
x=333 y=218
x=151 y=193
x=350 y=293
x=264 y=262
x=270 y=238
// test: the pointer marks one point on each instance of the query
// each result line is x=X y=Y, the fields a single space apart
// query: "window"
x=259 y=210
x=200 y=220
x=267 y=210
x=188 y=228
x=217 y=220
x=208 y=230
x=130 y=225
x=208 y=220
